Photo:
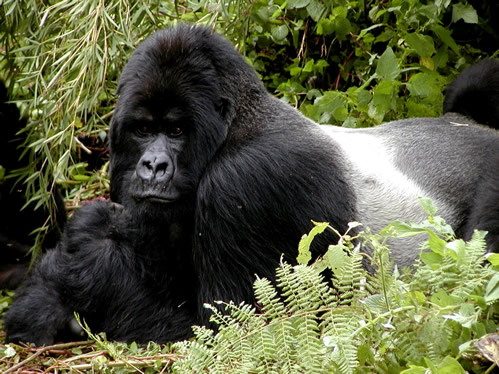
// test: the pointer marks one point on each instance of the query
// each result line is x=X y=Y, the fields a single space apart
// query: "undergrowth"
x=433 y=319
x=441 y=316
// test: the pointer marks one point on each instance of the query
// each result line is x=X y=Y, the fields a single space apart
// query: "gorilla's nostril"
x=154 y=167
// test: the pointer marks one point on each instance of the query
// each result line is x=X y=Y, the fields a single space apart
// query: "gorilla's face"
x=156 y=144
x=168 y=125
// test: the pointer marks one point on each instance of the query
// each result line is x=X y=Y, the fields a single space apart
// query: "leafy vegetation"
x=342 y=62
x=385 y=322
x=439 y=317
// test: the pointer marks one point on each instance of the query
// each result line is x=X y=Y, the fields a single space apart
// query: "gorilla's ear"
x=223 y=107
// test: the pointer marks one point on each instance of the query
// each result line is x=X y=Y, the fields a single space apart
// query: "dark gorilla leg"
x=68 y=271
x=42 y=292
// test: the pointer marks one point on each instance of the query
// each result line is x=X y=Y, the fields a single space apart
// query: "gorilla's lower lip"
x=155 y=198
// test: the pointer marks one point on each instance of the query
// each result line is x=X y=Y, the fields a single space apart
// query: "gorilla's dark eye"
x=175 y=131
x=144 y=129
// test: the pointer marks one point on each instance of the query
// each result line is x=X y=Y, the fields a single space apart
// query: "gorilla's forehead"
x=177 y=85
x=146 y=113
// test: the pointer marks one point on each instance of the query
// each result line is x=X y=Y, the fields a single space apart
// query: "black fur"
x=475 y=93
x=212 y=180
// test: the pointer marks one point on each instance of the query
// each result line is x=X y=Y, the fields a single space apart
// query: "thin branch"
x=45 y=349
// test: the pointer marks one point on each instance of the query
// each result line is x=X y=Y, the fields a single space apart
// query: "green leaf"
x=445 y=36
x=424 y=85
x=492 y=289
x=398 y=229
x=450 y=365
x=297 y=3
x=493 y=259
x=81 y=178
x=330 y=105
x=336 y=258
x=279 y=33
x=465 y=12
x=304 y=255
x=422 y=44
x=437 y=245
x=388 y=66
x=325 y=27
x=428 y=206
x=309 y=66
x=413 y=369
x=316 y=10
x=431 y=258
x=443 y=299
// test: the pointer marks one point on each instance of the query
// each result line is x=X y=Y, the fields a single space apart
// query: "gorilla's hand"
x=97 y=222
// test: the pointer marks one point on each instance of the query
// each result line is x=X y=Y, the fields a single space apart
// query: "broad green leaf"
x=316 y=10
x=443 y=299
x=431 y=258
x=309 y=66
x=330 y=104
x=428 y=206
x=492 y=289
x=279 y=33
x=465 y=12
x=398 y=229
x=437 y=245
x=304 y=255
x=450 y=365
x=297 y=3
x=342 y=28
x=424 y=85
x=413 y=369
x=325 y=27
x=459 y=248
x=422 y=44
x=336 y=258
x=388 y=66
x=493 y=259
x=445 y=35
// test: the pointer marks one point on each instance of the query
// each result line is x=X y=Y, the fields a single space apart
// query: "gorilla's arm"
x=254 y=198
x=73 y=273
x=116 y=273
x=42 y=293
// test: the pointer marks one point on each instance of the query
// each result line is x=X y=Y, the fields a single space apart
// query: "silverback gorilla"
x=213 y=179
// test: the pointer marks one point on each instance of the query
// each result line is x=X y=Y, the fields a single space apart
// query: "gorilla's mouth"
x=150 y=192
x=154 y=198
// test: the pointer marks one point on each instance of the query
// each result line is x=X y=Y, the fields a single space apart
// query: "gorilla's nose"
x=154 y=167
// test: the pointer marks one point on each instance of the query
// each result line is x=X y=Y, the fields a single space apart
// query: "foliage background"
x=348 y=63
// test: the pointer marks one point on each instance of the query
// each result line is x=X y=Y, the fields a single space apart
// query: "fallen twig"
x=45 y=349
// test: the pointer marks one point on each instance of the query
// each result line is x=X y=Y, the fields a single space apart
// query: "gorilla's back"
x=390 y=166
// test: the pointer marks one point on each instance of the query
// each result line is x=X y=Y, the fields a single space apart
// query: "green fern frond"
x=268 y=298
x=303 y=287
